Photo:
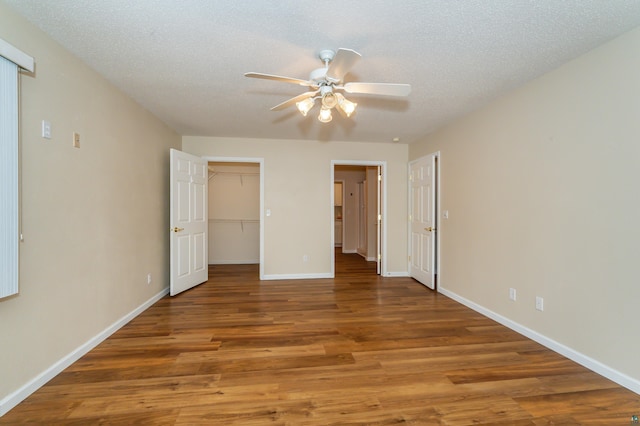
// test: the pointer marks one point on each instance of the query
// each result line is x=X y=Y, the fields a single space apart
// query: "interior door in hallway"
x=422 y=181
x=188 y=221
x=378 y=220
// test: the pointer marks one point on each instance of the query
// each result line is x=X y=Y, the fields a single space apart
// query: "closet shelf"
x=240 y=221
x=212 y=174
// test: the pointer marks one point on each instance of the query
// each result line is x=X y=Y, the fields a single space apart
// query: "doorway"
x=361 y=216
x=236 y=204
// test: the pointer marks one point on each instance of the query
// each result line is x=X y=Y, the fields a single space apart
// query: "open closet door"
x=188 y=221
x=423 y=222
x=379 y=222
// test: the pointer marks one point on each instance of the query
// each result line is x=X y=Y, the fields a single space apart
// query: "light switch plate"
x=46 y=129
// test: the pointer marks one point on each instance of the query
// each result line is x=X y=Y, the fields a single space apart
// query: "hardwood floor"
x=356 y=350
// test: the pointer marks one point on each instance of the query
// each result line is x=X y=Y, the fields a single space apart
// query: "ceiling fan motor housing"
x=319 y=75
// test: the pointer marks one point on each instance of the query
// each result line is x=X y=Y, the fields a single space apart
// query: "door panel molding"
x=423 y=221
x=188 y=221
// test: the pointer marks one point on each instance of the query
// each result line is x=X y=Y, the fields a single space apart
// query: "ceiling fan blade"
x=344 y=60
x=279 y=78
x=292 y=101
x=386 y=89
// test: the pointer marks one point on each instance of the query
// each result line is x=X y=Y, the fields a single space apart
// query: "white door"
x=379 y=221
x=188 y=221
x=362 y=220
x=422 y=217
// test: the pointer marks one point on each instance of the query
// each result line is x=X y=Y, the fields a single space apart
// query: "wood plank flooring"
x=356 y=350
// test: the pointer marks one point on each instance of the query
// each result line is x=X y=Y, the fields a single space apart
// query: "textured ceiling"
x=184 y=60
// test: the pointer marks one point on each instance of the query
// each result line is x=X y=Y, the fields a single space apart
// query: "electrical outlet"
x=305 y=258
x=512 y=294
x=149 y=278
x=539 y=303
x=76 y=140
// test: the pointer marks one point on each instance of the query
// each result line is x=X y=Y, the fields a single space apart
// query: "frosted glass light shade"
x=305 y=105
x=346 y=105
x=325 y=115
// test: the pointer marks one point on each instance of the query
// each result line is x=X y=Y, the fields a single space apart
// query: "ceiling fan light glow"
x=325 y=115
x=305 y=105
x=346 y=105
x=329 y=100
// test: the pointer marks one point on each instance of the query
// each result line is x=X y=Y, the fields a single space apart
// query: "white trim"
x=333 y=219
x=296 y=276
x=30 y=387
x=260 y=161
x=236 y=262
x=16 y=56
x=383 y=248
x=403 y=274
x=582 y=359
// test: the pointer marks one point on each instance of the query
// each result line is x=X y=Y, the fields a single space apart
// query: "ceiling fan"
x=326 y=84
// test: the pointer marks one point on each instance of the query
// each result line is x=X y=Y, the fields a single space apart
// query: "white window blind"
x=8 y=178
x=10 y=59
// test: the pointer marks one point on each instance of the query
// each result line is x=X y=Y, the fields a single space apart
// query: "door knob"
x=176 y=229
x=430 y=229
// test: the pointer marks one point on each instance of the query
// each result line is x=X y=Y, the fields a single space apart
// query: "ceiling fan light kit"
x=327 y=81
x=325 y=115
x=346 y=105
x=305 y=105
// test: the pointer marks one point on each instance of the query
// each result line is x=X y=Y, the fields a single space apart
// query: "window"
x=10 y=59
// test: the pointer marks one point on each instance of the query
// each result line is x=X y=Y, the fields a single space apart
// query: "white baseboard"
x=235 y=262
x=582 y=359
x=396 y=274
x=30 y=387
x=349 y=251
x=296 y=276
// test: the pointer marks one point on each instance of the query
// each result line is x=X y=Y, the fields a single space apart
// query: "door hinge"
x=379 y=178
x=379 y=257
x=379 y=217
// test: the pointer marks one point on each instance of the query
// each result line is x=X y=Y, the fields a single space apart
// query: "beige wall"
x=94 y=218
x=542 y=192
x=298 y=192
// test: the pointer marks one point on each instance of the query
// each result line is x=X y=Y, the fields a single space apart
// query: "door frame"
x=260 y=161
x=341 y=181
x=383 y=210
x=436 y=215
